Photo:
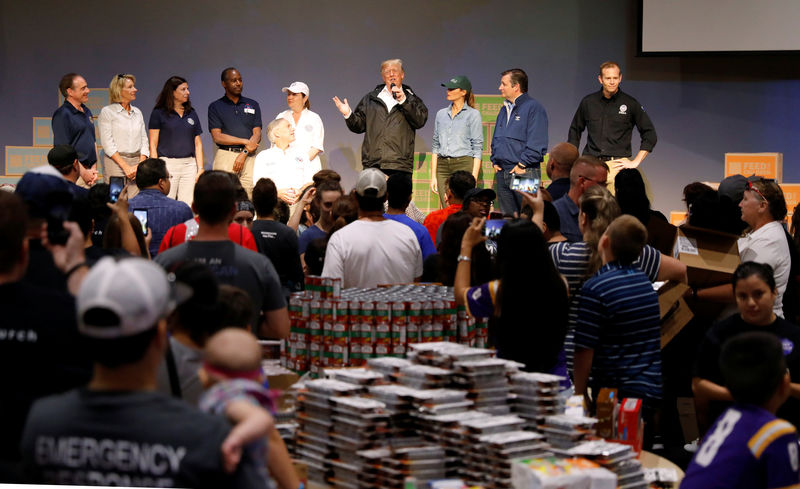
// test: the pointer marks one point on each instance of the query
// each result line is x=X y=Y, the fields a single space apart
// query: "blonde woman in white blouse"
x=123 y=134
x=308 y=130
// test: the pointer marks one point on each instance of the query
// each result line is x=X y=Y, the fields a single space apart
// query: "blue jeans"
x=509 y=200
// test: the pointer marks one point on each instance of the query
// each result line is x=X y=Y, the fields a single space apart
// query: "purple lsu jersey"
x=747 y=448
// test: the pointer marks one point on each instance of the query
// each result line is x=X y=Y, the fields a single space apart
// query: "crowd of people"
x=133 y=345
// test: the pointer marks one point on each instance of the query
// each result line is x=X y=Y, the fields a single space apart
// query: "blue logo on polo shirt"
x=788 y=346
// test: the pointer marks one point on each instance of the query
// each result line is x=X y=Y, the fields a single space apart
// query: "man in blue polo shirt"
x=519 y=142
x=618 y=331
x=235 y=125
x=152 y=178
x=73 y=124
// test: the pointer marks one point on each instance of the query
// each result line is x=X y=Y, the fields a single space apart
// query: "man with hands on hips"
x=519 y=142
x=235 y=125
x=608 y=116
x=388 y=116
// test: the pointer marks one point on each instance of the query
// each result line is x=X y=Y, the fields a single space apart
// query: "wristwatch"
x=245 y=151
x=463 y=258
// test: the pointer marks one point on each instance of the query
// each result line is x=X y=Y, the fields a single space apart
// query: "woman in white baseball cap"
x=308 y=129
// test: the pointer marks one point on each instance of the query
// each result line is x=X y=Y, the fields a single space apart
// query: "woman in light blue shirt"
x=457 y=136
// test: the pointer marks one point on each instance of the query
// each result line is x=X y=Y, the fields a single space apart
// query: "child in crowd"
x=231 y=373
x=237 y=356
x=618 y=330
x=748 y=447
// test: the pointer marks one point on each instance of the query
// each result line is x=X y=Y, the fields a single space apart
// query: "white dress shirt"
x=123 y=131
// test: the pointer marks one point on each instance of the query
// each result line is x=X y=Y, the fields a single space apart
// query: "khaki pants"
x=183 y=173
x=446 y=167
x=112 y=169
x=224 y=159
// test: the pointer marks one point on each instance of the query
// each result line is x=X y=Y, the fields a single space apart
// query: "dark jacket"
x=389 y=136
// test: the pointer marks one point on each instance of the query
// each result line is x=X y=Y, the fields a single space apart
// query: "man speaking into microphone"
x=388 y=116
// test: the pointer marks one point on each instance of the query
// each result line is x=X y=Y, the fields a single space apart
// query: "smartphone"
x=56 y=234
x=526 y=183
x=141 y=215
x=115 y=185
x=492 y=227
x=495 y=215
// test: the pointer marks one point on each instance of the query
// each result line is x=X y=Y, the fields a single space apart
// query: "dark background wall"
x=702 y=106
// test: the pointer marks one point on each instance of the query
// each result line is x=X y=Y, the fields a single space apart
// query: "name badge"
x=249 y=111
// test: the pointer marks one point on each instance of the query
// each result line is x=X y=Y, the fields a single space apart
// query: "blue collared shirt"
x=461 y=135
x=619 y=318
x=568 y=214
x=234 y=119
x=175 y=133
x=520 y=135
x=162 y=214
x=76 y=128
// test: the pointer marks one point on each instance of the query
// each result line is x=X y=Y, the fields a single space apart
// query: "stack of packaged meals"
x=536 y=396
x=564 y=432
x=314 y=443
x=358 y=423
x=616 y=457
x=486 y=383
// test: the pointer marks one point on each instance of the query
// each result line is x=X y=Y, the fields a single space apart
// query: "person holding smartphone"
x=457 y=136
x=122 y=132
x=526 y=271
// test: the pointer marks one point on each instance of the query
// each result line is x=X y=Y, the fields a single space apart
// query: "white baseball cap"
x=371 y=183
x=122 y=298
x=296 y=87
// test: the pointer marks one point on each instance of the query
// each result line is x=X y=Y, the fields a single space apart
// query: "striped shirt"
x=747 y=448
x=619 y=318
x=572 y=261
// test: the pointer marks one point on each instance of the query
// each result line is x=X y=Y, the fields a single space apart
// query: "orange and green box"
x=767 y=165
x=20 y=159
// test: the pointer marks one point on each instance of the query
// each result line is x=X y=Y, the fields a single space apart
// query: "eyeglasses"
x=483 y=203
x=603 y=183
x=752 y=187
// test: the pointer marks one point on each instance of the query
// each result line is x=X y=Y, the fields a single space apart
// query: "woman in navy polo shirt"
x=175 y=138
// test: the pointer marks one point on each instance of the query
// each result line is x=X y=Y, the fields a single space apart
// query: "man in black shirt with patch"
x=116 y=431
x=609 y=116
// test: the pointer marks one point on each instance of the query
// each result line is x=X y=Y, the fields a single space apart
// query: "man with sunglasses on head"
x=586 y=172
x=763 y=208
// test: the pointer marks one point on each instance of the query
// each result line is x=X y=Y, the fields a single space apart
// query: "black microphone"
x=394 y=94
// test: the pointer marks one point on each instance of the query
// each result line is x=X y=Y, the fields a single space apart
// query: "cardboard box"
x=767 y=165
x=711 y=257
x=630 y=429
x=675 y=313
x=676 y=218
x=791 y=192
x=607 y=407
